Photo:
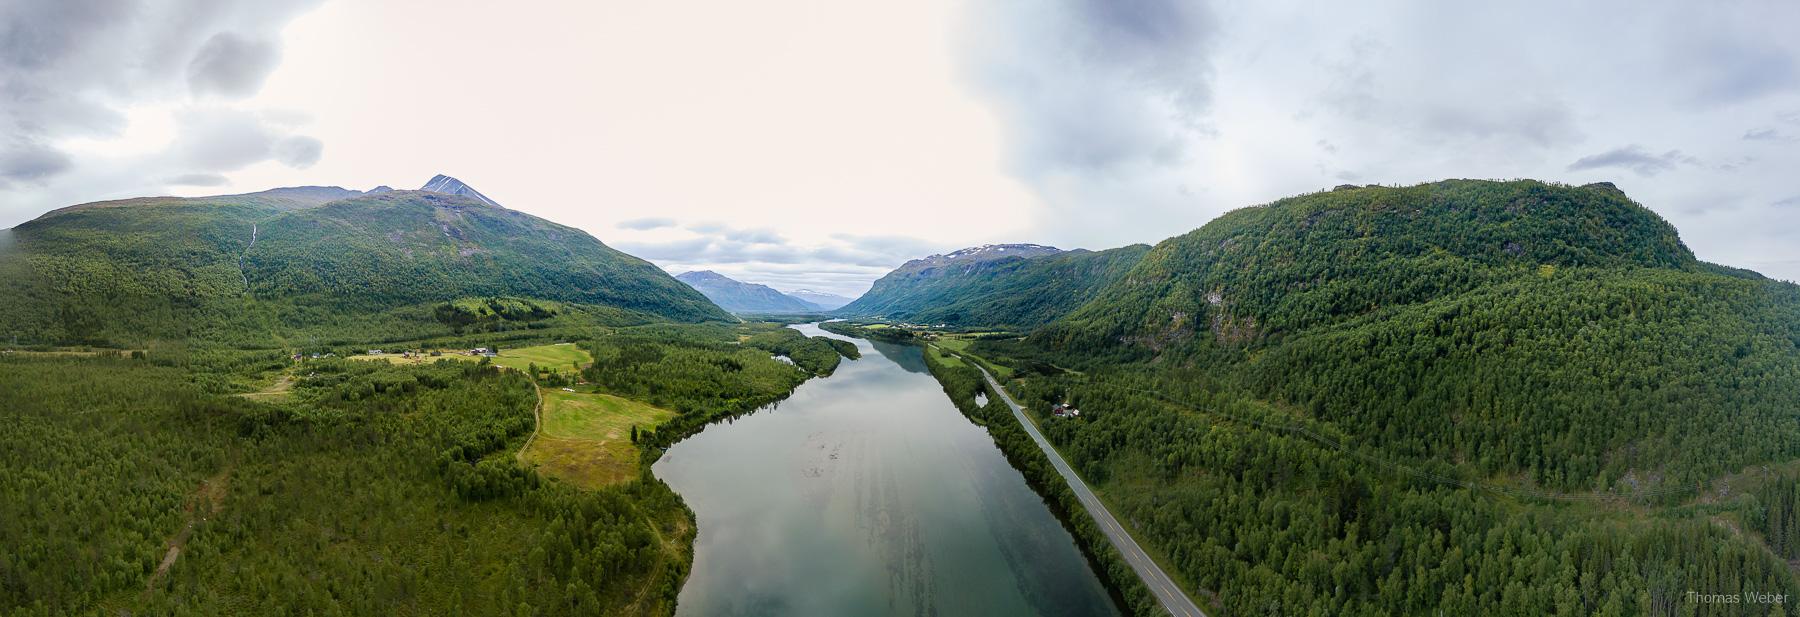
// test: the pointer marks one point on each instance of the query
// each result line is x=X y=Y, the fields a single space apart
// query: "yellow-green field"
x=424 y=358
x=961 y=345
x=943 y=358
x=561 y=356
x=586 y=438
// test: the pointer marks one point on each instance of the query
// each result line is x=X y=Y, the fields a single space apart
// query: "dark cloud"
x=31 y=162
x=197 y=180
x=1093 y=84
x=231 y=64
x=1790 y=202
x=1634 y=158
x=654 y=222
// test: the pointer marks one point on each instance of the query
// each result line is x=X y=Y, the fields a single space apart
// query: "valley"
x=1470 y=397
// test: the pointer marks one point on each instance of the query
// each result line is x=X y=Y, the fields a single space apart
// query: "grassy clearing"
x=946 y=359
x=424 y=358
x=586 y=438
x=561 y=356
x=960 y=345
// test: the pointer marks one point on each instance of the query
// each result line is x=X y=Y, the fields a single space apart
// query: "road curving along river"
x=868 y=493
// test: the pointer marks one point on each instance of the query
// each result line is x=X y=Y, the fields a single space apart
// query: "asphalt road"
x=1167 y=593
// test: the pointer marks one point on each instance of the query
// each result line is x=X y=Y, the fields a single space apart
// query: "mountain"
x=1555 y=331
x=451 y=186
x=1308 y=399
x=177 y=268
x=1014 y=285
x=824 y=300
x=741 y=297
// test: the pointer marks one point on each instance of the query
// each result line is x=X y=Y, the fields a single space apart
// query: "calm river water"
x=868 y=493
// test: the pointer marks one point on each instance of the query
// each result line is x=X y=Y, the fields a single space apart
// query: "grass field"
x=424 y=358
x=561 y=356
x=944 y=358
x=586 y=438
x=961 y=344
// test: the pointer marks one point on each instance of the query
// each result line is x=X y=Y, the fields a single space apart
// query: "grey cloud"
x=1093 y=84
x=1731 y=69
x=227 y=139
x=1634 y=158
x=221 y=139
x=68 y=68
x=1790 y=202
x=30 y=162
x=754 y=236
x=1365 y=89
x=232 y=65
x=654 y=222
x=297 y=151
x=1768 y=134
x=197 y=180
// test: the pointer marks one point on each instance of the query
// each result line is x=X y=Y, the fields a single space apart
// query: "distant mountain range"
x=824 y=300
x=141 y=269
x=1013 y=285
x=740 y=297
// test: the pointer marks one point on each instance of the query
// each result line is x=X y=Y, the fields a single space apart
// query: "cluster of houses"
x=1064 y=410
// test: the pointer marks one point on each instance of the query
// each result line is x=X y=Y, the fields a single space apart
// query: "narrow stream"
x=868 y=493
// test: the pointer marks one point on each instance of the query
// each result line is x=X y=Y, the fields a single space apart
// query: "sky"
x=819 y=144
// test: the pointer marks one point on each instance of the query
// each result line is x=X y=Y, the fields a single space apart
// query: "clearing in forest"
x=561 y=356
x=586 y=437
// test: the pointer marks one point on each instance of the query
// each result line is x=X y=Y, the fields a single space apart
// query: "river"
x=868 y=493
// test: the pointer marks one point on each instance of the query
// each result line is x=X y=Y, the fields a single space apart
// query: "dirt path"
x=538 y=425
x=280 y=388
x=203 y=502
x=671 y=553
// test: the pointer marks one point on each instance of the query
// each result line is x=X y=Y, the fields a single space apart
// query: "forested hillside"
x=352 y=486
x=1000 y=290
x=1464 y=397
x=1563 y=334
x=128 y=272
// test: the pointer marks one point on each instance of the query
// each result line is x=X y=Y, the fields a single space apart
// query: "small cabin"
x=1065 y=410
x=374 y=352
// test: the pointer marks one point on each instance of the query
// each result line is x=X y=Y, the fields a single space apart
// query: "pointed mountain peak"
x=445 y=184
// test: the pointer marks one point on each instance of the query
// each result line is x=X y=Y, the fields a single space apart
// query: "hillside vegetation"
x=1561 y=333
x=996 y=292
x=1509 y=398
x=232 y=269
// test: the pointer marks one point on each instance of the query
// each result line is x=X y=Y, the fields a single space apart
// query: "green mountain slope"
x=740 y=297
x=1458 y=398
x=992 y=289
x=1559 y=332
x=143 y=269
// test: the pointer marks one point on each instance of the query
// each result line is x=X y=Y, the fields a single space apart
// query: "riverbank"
x=870 y=494
x=962 y=383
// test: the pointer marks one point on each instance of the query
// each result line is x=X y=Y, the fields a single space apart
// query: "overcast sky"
x=819 y=144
